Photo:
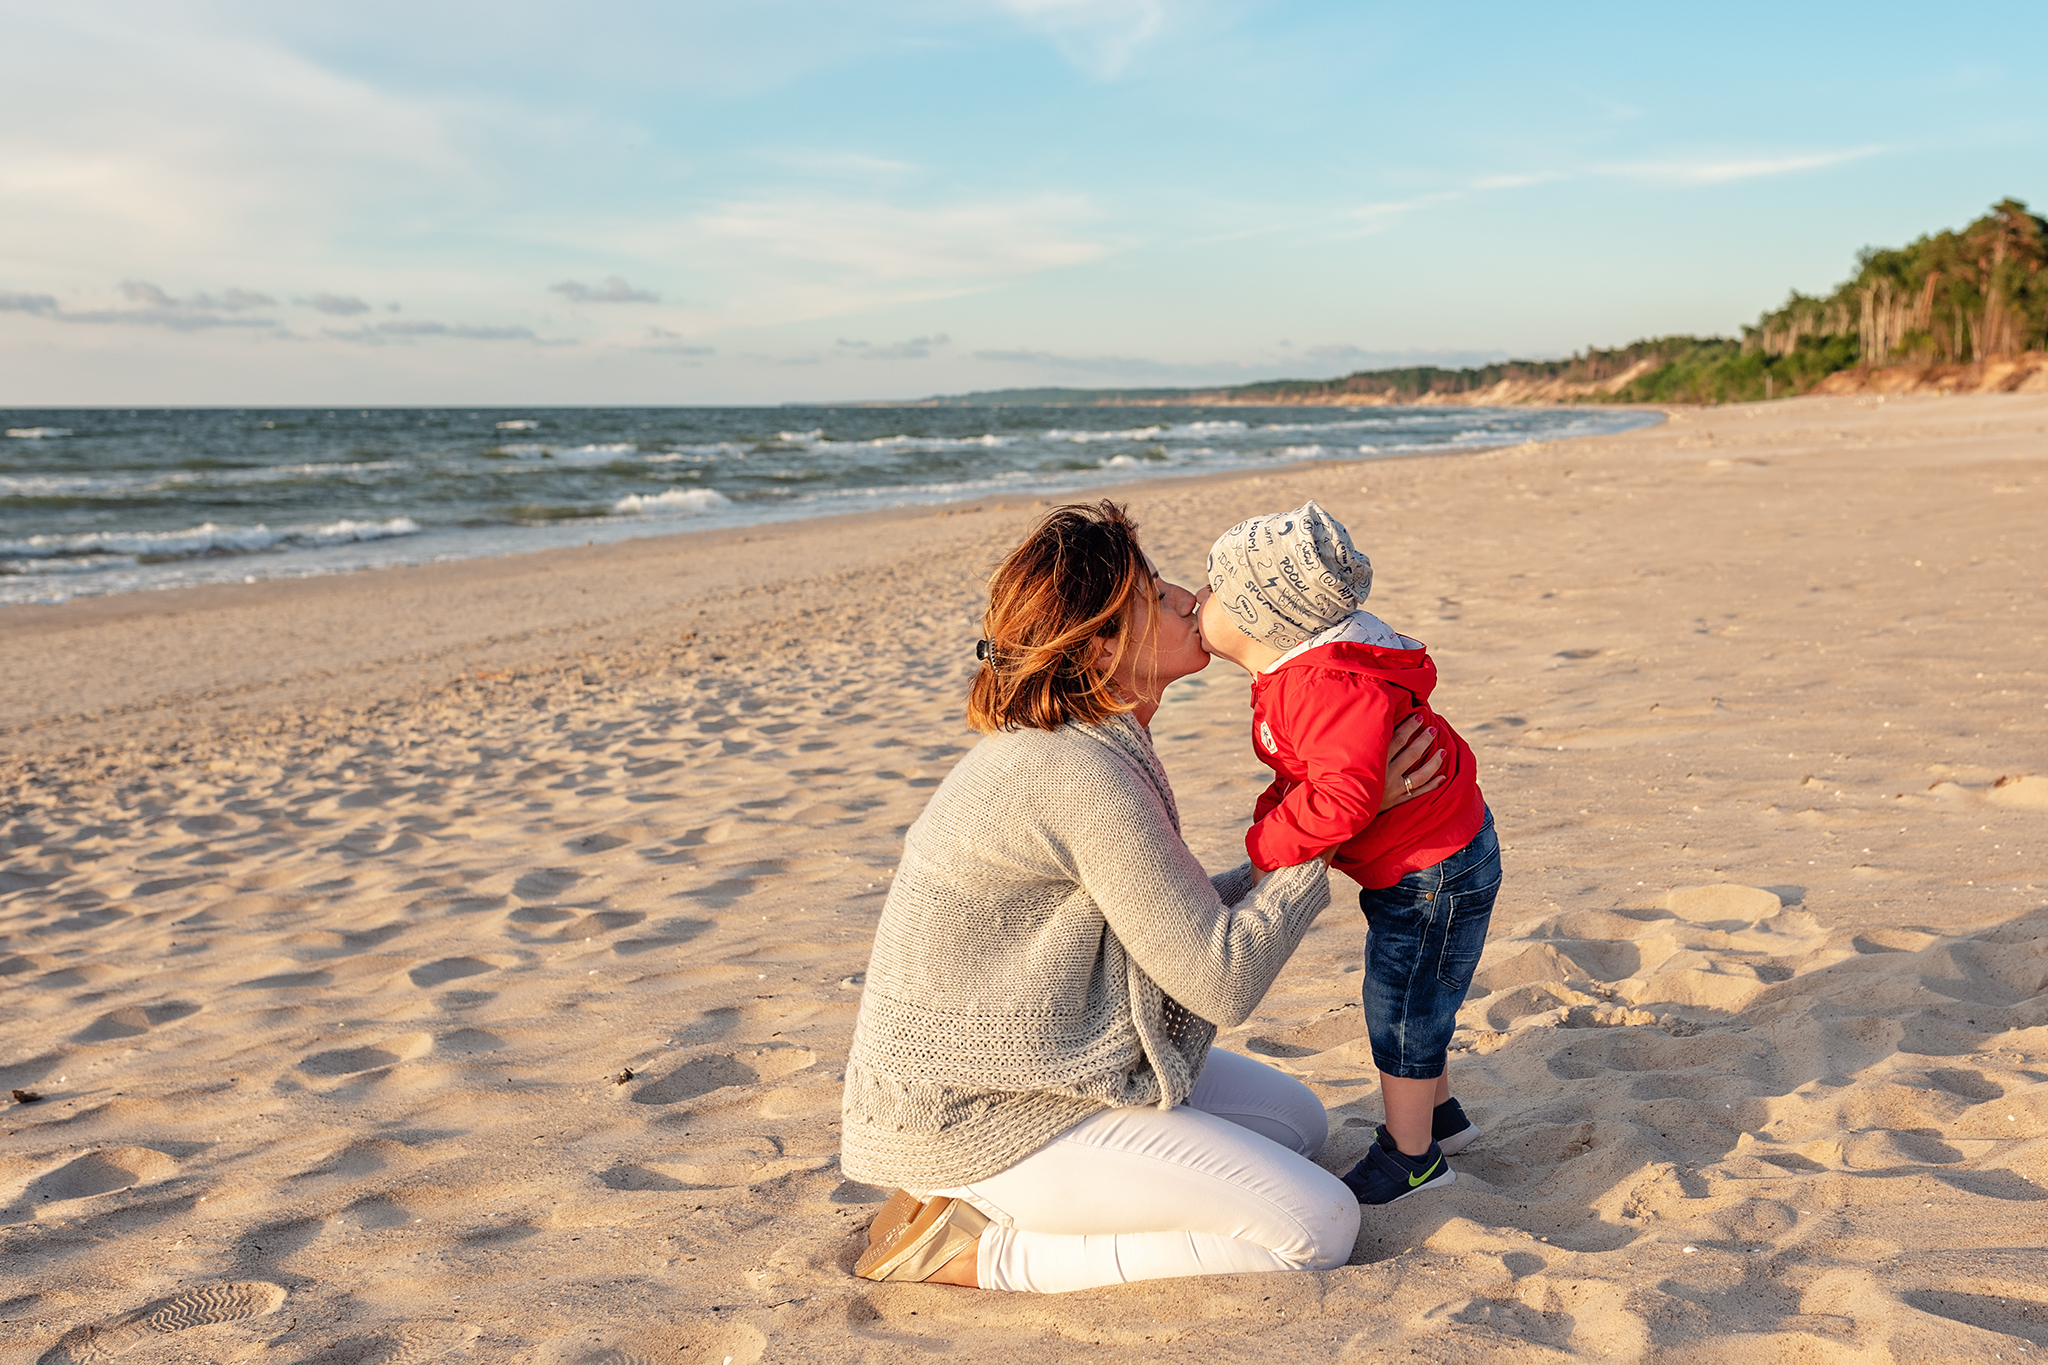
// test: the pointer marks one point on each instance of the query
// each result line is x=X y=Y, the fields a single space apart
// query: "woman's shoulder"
x=1113 y=752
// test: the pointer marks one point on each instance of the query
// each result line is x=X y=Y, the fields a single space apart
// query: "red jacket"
x=1321 y=722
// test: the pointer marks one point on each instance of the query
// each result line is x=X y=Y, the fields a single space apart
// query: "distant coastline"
x=1952 y=312
x=1527 y=387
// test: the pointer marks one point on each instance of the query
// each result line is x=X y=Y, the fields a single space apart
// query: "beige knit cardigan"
x=1050 y=947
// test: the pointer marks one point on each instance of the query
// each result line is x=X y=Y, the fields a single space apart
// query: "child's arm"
x=1342 y=741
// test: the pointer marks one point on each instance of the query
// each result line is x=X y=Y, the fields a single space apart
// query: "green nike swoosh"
x=1415 y=1180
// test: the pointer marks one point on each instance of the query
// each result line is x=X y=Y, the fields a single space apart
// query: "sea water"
x=97 y=501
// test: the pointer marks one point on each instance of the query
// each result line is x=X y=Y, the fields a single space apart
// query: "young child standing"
x=1329 y=684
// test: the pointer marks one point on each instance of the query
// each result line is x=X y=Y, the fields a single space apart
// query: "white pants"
x=1221 y=1185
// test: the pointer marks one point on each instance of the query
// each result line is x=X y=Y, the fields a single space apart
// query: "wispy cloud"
x=193 y=313
x=1131 y=369
x=917 y=348
x=613 y=290
x=383 y=333
x=953 y=246
x=1678 y=171
x=1344 y=356
x=1098 y=36
x=1720 y=171
x=661 y=341
x=41 y=304
x=229 y=300
x=339 y=305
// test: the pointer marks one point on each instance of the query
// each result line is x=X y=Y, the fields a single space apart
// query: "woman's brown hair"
x=1077 y=579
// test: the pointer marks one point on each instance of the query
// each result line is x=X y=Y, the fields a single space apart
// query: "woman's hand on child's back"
x=1409 y=774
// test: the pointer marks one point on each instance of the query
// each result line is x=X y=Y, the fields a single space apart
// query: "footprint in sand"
x=545 y=884
x=698 y=1076
x=431 y=974
x=347 y=1061
x=100 y=1172
x=207 y=1306
x=412 y=1345
x=600 y=922
x=132 y=1021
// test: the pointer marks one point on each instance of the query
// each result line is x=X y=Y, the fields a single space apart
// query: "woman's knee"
x=1328 y=1219
x=1267 y=1101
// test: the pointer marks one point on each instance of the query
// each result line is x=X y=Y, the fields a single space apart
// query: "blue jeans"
x=1423 y=938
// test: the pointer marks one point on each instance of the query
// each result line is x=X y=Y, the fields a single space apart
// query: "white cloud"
x=1099 y=36
x=932 y=249
x=1683 y=171
x=135 y=126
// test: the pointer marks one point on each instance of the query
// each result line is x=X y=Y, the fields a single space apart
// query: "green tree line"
x=1951 y=297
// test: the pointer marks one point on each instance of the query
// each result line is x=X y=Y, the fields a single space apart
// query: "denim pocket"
x=1467 y=915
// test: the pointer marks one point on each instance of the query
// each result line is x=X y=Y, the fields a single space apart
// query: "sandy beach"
x=457 y=962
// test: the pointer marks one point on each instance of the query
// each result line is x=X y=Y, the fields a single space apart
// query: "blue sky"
x=772 y=201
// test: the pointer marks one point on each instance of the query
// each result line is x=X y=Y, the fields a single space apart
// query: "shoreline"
x=326 y=597
x=460 y=963
x=409 y=520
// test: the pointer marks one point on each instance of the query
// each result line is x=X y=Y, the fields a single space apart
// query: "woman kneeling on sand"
x=1032 y=1064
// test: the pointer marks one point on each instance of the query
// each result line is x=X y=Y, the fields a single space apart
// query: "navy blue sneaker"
x=1387 y=1174
x=1450 y=1129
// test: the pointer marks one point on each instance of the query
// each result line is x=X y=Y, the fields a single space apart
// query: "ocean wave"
x=206 y=539
x=816 y=440
x=597 y=453
x=520 y=424
x=77 y=485
x=697 y=454
x=1177 y=431
x=20 y=568
x=1085 y=437
x=676 y=502
x=37 y=433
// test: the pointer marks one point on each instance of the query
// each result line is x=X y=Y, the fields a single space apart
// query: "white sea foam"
x=817 y=440
x=37 y=433
x=73 y=485
x=603 y=453
x=698 y=454
x=984 y=442
x=676 y=502
x=520 y=424
x=1087 y=437
x=208 y=538
x=81 y=564
x=593 y=454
